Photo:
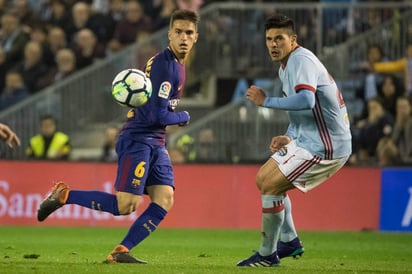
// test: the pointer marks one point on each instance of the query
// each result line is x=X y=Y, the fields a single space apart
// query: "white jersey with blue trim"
x=324 y=130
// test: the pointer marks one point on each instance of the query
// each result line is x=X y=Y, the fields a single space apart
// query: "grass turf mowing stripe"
x=82 y=250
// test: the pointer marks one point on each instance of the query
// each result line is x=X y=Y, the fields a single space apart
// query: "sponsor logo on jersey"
x=164 y=90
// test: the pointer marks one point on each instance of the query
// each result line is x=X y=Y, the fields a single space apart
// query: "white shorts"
x=304 y=170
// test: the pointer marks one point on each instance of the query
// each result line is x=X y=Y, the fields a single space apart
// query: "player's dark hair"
x=280 y=21
x=184 y=15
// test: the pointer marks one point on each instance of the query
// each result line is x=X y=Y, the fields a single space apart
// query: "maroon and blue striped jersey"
x=148 y=123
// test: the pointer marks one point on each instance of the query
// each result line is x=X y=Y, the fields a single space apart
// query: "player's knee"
x=127 y=203
x=165 y=201
x=162 y=195
x=125 y=209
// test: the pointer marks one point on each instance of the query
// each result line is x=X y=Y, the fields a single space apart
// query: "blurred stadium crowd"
x=44 y=41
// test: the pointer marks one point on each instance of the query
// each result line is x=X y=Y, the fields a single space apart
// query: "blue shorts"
x=141 y=165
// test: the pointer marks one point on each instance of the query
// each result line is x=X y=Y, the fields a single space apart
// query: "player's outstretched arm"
x=304 y=99
x=9 y=136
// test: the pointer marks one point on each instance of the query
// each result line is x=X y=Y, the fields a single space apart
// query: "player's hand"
x=9 y=137
x=187 y=122
x=255 y=95
x=278 y=142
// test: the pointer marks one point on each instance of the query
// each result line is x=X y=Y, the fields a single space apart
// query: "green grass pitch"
x=82 y=250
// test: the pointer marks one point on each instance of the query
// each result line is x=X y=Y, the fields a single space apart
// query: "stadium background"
x=214 y=196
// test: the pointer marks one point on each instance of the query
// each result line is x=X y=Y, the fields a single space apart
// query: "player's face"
x=280 y=44
x=182 y=37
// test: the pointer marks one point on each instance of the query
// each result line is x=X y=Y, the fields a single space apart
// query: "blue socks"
x=144 y=225
x=97 y=200
x=140 y=229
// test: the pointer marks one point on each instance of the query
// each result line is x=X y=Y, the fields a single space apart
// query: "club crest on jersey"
x=173 y=103
x=164 y=90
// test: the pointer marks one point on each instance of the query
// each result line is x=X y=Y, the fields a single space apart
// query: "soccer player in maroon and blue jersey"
x=144 y=166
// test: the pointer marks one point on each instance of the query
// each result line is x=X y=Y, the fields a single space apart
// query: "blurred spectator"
x=101 y=6
x=403 y=65
x=193 y=5
x=402 y=131
x=56 y=40
x=135 y=26
x=87 y=49
x=3 y=68
x=103 y=25
x=147 y=49
x=390 y=90
x=49 y=144
x=79 y=19
x=12 y=38
x=372 y=79
x=27 y=17
x=161 y=20
x=32 y=66
x=14 y=90
x=369 y=131
x=182 y=149
x=387 y=153
x=335 y=23
x=205 y=147
x=152 y=7
x=177 y=156
x=82 y=16
x=66 y=65
x=39 y=34
x=116 y=10
x=109 y=146
x=3 y=7
x=186 y=145
x=55 y=13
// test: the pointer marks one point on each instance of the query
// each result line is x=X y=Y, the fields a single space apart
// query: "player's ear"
x=196 y=36
x=294 y=38
x=168 y=35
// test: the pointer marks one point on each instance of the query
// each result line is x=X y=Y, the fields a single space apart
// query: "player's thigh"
x=127 y=202
x=133 y=166
x=160 y=183
x=271 y=181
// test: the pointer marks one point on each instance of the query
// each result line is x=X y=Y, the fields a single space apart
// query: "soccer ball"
x=131 y=88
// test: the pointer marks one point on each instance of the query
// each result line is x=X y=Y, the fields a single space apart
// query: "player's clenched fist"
x=278 y=142
x=182 y=124
x=255 y=95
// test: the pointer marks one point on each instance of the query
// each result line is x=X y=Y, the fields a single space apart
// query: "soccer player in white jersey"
x=316 y=144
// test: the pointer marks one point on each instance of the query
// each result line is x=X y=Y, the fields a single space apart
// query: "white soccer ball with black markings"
x=131 y=88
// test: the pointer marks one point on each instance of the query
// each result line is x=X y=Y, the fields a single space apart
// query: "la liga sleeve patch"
x=164 y=90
